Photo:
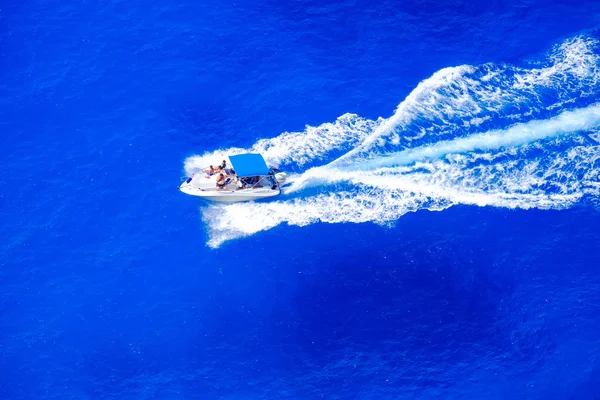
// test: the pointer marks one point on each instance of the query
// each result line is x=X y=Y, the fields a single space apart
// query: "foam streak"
x=487 y=135
x=566 y=123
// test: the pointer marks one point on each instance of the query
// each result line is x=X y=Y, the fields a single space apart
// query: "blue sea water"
x=438 y=238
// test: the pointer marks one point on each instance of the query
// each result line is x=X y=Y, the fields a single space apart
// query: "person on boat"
x=209 y=171
x=241 y=183
x=223 y=165
x=221 y=181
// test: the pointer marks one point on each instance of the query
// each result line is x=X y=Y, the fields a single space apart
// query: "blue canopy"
x=249 y=165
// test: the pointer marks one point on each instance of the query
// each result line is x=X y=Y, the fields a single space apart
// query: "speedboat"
x=248 y=179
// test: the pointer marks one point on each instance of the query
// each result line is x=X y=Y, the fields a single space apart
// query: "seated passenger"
x=223 y=165
x=241 y=183
x=209 y=171
x=221 y=181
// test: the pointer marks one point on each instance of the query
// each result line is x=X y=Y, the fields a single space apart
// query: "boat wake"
x=489 y=135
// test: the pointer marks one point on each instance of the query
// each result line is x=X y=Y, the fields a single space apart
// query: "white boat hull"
x=206 y=188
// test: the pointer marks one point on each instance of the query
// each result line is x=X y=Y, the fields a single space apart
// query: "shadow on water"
x=200 y=124
x=416 y=299
x=438 y=289
x=467 y=292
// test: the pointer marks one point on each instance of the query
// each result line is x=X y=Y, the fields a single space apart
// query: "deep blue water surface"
x=109 y=291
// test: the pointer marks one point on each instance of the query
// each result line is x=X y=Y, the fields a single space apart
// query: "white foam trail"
x=451 y=100
x=489 y=135
x=331 y=208
x=456 y=98
x=554 y=181
x=566 y=123
x=427 y=92
x=298 y=148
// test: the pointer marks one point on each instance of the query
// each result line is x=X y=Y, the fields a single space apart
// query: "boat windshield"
x=251 y=182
